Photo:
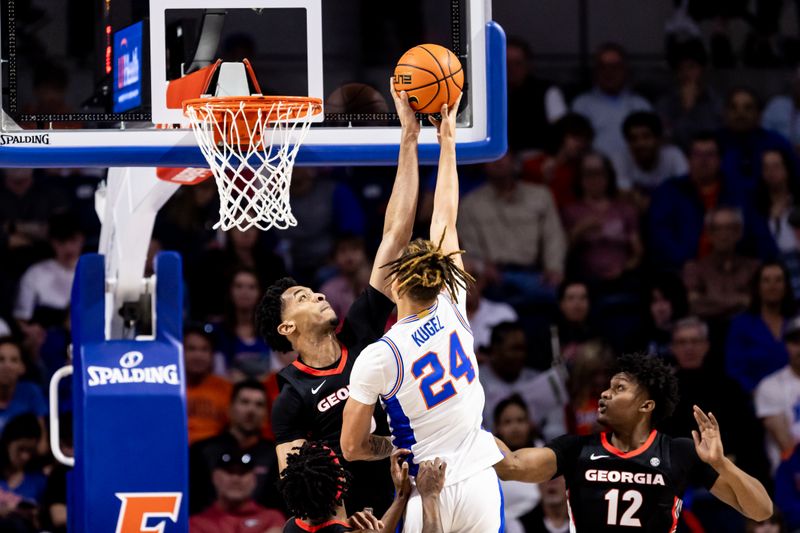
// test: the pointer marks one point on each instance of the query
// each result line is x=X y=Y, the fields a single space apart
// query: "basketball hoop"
x=250 y=143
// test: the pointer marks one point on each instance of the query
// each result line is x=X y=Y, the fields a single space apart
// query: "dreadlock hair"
x=268 y=315
x=424 y=270
x=656 y=377
x=314 y=482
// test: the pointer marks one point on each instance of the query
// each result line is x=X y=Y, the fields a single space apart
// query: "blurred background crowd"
x=659 y=215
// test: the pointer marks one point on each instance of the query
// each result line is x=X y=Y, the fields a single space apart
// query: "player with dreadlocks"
x=633 y=476
x=424 y=370
x=314 y=484
x=293 y=317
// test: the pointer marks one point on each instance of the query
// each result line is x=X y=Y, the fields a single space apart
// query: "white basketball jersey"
x=425 y=373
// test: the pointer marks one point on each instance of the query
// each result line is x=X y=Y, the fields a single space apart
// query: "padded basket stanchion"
x=250 y=143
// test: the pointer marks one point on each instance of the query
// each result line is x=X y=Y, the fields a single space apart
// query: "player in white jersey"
x=425 y=373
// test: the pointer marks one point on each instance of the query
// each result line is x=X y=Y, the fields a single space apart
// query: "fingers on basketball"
x=432 y=76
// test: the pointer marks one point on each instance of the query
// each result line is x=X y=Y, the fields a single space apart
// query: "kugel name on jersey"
x=428 y=330
x=615 y=476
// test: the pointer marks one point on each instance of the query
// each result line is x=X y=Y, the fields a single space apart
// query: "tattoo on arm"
x=380 y=447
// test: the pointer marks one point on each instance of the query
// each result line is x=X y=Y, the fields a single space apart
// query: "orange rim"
x=285 y=107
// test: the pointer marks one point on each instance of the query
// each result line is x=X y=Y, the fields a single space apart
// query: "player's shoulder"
x=383 y=347
x=574 y=442
x=677 y=445
x=289 y=384
x=375 y=359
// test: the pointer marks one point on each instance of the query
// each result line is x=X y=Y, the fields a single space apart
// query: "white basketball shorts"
x=474 y=505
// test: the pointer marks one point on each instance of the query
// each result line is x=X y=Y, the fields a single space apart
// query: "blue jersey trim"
x=401 y=431
x=418 y=316
x=502 y=508
x=399 y=363
x=459 y=316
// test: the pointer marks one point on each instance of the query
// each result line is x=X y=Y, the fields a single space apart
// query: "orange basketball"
x=431 y=75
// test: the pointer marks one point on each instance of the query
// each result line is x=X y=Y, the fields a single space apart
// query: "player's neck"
x=318 y=350
x=406 y=307
x=341 y=515
x=632 y=438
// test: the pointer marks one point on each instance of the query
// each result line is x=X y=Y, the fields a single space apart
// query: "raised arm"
x=733 y=486
x=357 y=443
x=531 y=465
x=402 y=207
x=445 y=199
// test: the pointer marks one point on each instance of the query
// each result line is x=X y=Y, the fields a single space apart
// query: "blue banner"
x=128 y=68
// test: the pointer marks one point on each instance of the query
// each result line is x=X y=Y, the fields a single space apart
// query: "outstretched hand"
x=408 y=117
x=399 y=470
x=430 y=477
x=446 y=127
x=365 y=520
x=707 y=441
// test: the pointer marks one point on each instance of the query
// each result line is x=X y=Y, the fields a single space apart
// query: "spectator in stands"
x=45 y=288
x=679 y=206
x=777 y=400
x=778 y=191
x=610 y=101
x=17 y=397
x=50 y=82
x=207 y=395
x=603 y=230
x=719 y=394
x=648 y=160
x=743 y=141
x=323 y=209
x=666 y=303
x=246 y=354
x=483 y=314
x=754 y=347
x=235 y=510
x=558 y=167
x=352 y=274
x=21 y=485
x=506 y=374
x=773 y=524
x=782 y=112
x=691 y=106
x=589 y=376
x=470 y=177
x=572 y=324
x=26 y=203
x=186 y=223
x=534 y=104
x=787 y=490
x=513 y=426
x=242 y=249
x=514 y=227
x=248 y=410
x=552 y=513
x=54 y=499
x=719 y=283
x=792 y=260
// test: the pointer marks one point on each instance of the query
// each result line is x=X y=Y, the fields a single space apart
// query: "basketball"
x=432 y=76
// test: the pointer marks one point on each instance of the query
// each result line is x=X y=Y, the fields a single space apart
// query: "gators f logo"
x=138 y=507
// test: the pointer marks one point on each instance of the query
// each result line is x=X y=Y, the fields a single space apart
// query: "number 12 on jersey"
x=430 y=369
x=633 y=496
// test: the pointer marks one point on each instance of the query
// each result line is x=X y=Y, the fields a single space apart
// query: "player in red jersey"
x=631 y=478
x=314 y=485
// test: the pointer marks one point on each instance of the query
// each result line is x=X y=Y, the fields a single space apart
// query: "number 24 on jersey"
x=429 y=367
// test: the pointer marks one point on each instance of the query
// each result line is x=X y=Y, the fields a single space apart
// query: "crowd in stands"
x=668 y=226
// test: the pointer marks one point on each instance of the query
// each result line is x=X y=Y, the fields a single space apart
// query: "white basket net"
x=251 y=153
